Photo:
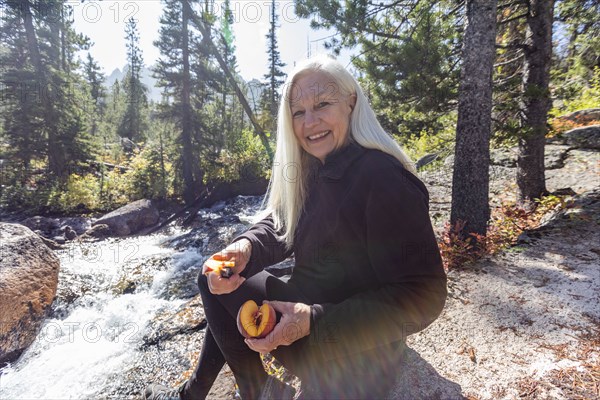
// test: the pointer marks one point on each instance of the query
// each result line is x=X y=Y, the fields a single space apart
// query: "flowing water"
x=99 y=332
x=100 y=338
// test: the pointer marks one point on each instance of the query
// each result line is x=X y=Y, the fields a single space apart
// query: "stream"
x=113 y=325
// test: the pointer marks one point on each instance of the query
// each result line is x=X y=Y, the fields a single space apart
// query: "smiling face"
x=320 y=113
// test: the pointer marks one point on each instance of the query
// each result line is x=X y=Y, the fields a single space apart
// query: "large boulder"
x=582 y=116
x=586 y=137
x=45 y=225
x=28 y=281
x=131 y=218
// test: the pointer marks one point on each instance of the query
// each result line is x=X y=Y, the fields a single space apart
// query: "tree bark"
x=189 y=189
x=536 y=102
x=470 y=182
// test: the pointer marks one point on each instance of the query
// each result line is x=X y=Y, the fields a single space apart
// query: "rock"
x=504 y=156
x=59 y=239
x=188 y=319
x=51 y=243
x=78 y=224
x=69 y=233
x=555 y=155
x=131 y=218
x=587 y=137
x=43 y=224
x=99 y=231
x=28 y=282
x=582 y=116
x=125 y=286
x=449 y=161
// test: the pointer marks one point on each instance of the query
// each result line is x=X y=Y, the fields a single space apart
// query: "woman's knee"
x=203 y=283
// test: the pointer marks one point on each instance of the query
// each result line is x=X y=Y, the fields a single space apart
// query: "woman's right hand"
x=239 y=252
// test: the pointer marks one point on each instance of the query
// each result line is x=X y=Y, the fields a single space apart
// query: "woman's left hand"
x=293 y=325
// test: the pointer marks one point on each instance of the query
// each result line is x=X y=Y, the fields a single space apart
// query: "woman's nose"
x=310 y=118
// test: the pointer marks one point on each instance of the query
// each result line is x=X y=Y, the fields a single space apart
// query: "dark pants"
x=366 y=375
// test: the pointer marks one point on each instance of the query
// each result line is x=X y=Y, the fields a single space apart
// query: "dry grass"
x=578 y=383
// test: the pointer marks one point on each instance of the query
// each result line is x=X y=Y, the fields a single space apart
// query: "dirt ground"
x=524 y=324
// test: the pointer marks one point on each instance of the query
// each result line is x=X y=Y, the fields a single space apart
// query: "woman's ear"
x=352 y=101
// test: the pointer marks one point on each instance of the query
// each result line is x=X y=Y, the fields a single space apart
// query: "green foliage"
x=80 y=189
x=409 y=56
x=589 y=96
x=244 y=158
x=275 y=77
x=44 y=116
x=427 y=141
x=150 y=175
x=134 y=121
x=575 y=76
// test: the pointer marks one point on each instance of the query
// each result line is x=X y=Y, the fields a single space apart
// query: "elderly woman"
x=344 y=200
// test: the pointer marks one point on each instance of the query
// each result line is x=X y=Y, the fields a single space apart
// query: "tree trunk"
x=536 y=101
x=186 y=123
x=470 y=182
x=238 y=92
x=56 y=159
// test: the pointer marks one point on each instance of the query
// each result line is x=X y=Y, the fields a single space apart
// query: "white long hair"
x=287 y=190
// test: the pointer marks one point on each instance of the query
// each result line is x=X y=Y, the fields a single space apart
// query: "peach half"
x=254 y=321
x=220 y=267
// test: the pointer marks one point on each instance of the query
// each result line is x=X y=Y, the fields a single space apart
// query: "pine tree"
x=409 y=55
x=470 y=182
x=21 y=109
x=177 y=74
x=575 y=64
x=535 y=101
x=134 y=122
x=95 y=80
x=228 y=49
x=275 y=77
x=54 y=123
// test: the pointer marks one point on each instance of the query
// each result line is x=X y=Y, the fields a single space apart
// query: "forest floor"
x=524 y=323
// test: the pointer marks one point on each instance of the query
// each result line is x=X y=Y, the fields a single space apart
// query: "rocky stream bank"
x=521 y=324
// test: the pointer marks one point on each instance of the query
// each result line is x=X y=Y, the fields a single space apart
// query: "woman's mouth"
x=318 y=136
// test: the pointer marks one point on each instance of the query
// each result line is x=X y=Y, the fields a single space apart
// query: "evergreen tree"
x=470 y=182
x=21 y=110
x=177 y=74
x=535 y=101
x=134 y=122
x=54 y=123
x=228 y=49
x=575 y=64
x=409 y=55
x=95 y=80
x=275 y=77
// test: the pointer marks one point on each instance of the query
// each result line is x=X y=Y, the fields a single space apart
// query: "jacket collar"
x=338 y=161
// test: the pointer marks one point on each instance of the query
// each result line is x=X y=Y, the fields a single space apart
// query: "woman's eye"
x=297 y=114
x=322 y=104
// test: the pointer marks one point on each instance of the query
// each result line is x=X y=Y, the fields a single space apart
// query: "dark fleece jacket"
x=366 y=257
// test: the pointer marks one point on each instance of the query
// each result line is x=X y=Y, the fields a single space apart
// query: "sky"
x=104 y=23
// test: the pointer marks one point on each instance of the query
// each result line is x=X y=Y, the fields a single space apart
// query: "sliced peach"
x=218 y=266
x=254 y=321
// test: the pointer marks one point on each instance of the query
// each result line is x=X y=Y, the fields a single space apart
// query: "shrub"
x=244 y=158
x=506 y=224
